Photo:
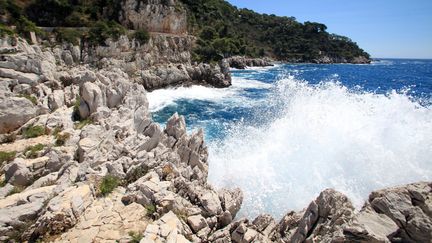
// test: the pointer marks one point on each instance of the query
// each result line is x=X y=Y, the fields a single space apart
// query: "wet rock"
x=231 y=200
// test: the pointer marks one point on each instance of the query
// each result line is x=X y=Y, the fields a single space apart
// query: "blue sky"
x=384 y=28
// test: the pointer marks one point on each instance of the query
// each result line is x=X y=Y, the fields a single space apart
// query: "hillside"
x=222 y=29
x=227 y=30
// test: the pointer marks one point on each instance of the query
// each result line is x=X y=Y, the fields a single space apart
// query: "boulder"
x=211 y=203
x=15 y=112
x=197 y=222
x=409 y=207
x=22 y=78
x=92 y=97
x=17 y=173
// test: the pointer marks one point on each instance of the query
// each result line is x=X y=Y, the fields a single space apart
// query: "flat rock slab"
x=108 y=219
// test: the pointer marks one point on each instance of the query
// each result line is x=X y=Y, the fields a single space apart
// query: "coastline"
x=114 y=156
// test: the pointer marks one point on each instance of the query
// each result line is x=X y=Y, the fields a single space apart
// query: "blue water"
x=411 y=77
x=285 y=133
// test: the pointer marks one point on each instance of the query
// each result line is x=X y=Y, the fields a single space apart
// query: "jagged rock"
x=92 y=96
x=63 y=211
x=169 y=228
x=370 y=226
x=264 y=224
x=211 y=203
x=19 y=209
x=231 y=200
x=56 y=99
x=325 y=218
x=409 y=207
x=176 y=126
x=15 y=112
x=84 y=76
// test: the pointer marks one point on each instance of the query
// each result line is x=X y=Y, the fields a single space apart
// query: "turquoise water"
x=285 y=133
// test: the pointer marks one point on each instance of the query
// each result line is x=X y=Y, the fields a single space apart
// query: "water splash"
x=323 y=136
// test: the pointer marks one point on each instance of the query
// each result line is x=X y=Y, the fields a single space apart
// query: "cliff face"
x=164 y=16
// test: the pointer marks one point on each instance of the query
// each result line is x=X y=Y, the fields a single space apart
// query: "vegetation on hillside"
x=222 y=29
x=225 y=30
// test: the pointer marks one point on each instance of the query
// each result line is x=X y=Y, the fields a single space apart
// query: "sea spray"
x=285 y=133
x=323 y=136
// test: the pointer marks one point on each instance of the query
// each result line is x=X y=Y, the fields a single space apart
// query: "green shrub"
x=136 y=237
x=69 y=35
x=33 y=131
x=29 y=97
x=23 y=26
x=136 y=174
x=15 y=190
x=77 y=19
x=6 y=156
x=108 y=184
x=2 y=183
x=56 y=131
x=32 y=152
x=61 y=139
x=142 y=36
x=5 y=31
x=76 y=113
x=9 y=138
x=151 y=209
x=181 y=214
x=81 y=124
x=103 y=30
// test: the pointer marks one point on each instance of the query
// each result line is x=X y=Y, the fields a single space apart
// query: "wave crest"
x=323 y=136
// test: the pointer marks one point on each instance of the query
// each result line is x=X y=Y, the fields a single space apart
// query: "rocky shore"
x=82 y=161
x=331 y=60
x=241 y=62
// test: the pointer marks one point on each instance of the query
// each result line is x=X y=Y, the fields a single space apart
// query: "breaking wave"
x=323 y=136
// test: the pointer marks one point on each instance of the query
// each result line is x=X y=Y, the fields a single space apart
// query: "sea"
x=285 y=133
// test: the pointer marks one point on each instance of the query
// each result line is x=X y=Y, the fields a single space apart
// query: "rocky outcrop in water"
x=331 y=60
x=241 y=62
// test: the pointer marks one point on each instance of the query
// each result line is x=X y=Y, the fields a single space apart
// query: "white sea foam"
x=161 y=98
x=243 y=83
x=325 y=136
